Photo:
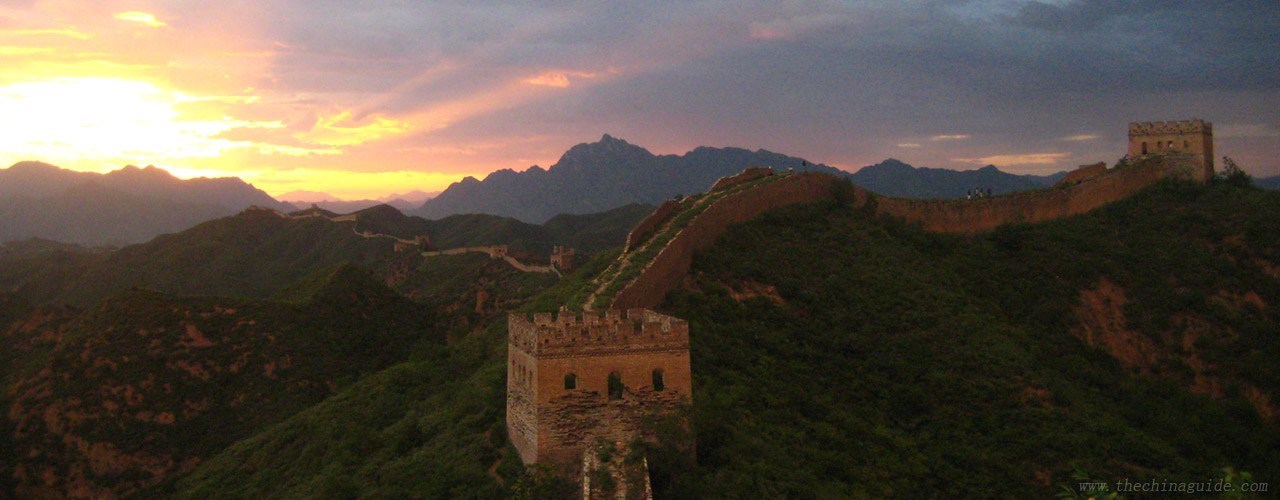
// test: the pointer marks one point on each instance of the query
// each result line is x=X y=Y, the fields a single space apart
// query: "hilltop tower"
x=562 y=258
x=574 y=381
x=1187 y=143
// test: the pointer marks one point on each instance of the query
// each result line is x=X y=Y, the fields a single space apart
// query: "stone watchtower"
x=562 y=258
x=575 y=381
x=1188 y=142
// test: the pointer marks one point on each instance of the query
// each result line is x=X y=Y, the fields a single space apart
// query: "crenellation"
x=1193 y=126
x=541 y=318
x=1187 y=145
x=564 y=369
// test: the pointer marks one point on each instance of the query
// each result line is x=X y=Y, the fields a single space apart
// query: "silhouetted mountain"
x=404 y=202
x=599 y=176
x=416 y=197
x=346 y=207
x=304 y=196
x=129 y=205
x=894 y=178
x=1268 y=182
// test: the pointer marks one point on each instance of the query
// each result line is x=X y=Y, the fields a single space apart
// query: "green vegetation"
x=153 y=380
x=255 y=253
x=431 y=427
x=588 y=233
x=834 y=355
x=895 y=362
x=625 y=269
x=573 y=289
x=891 y=362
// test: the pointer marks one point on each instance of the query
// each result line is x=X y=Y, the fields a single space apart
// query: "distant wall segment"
x=669 y=268
x=985 y=214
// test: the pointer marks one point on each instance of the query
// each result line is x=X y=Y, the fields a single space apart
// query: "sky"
x=361 y=99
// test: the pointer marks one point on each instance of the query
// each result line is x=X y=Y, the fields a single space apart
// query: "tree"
x=1233 y=174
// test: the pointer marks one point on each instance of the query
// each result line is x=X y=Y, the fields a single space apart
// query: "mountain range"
x=129 y=205
x=895 y=178
x=253 y=253
x=402 y=201
x=599 y=176
x=133 y=204
x=1268 y=182
x=592 y=177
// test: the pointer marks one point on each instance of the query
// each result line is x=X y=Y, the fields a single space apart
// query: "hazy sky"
x=365 y=98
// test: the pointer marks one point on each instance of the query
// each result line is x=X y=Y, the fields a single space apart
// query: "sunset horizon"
x=396 y=97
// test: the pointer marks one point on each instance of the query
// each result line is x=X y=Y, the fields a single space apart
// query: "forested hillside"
x=837 y=354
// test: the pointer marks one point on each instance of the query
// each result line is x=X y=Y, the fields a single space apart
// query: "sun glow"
x=106 y=121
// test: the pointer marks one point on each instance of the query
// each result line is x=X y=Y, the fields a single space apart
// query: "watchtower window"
x=615 y=386
x=570 y=382
x=658 y=382
x=1144 y=147
x=1186 y=144
x=1170 y=144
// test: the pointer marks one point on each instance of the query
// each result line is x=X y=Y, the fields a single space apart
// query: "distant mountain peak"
x=150 y=172
x=32 y=166
x=305 y=196
x=888 y=166
x=607 y=150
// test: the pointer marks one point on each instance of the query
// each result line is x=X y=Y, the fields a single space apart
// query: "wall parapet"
x=591 y=334
x=747 y=175
x=670 y=266
x=672 y=263
x=1195 y=126
x=646 y=227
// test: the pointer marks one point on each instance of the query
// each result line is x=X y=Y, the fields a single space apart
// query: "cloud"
x=134 y=16
x=841 y=82
x=342 y=130
x=558 y=79
x=23 y=51
x=552 y=79
x=70 y=33
x=1017 y=159
x=1244 y=130
x=790 y=28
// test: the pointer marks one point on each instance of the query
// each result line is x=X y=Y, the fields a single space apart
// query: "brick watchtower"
x=562 y=258
x=573 y=381
x=1189 y=141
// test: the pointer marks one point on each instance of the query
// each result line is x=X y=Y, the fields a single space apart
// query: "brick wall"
x=551 y=422
x=671 y=265
x=646 y=227
x=985 y=214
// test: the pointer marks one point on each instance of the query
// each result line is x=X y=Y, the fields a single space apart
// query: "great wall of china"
x=561 y=258
x=555 y=418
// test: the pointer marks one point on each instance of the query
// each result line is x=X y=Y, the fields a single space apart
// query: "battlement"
x=1194 y=126
x=568 y=334
x=1192 y=139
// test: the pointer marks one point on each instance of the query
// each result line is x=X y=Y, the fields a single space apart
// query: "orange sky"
x=362 y=99
x=93 y=87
